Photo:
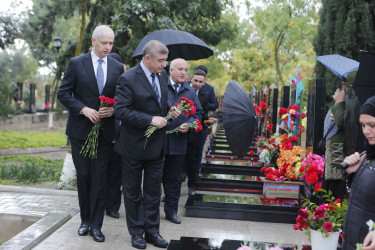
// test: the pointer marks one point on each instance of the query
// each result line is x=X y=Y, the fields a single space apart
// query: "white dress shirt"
x=95 y=63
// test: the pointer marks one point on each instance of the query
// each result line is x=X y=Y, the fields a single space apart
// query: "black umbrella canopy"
x=239 y=118
x=181 y=44
x=364 y=83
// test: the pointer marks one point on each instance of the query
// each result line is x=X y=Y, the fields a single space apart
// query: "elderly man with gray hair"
x=86 y=78
x=142 y=100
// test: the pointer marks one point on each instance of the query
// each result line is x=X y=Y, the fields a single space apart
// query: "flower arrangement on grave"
x=269 y=150
x=90 y=147
x=325 y=218
x=293 y=121
x=311 y=169
x=286 y=163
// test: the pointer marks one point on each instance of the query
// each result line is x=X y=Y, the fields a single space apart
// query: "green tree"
x=9 y=29
x=285 y=28
x=6 y=107
x=345 y=28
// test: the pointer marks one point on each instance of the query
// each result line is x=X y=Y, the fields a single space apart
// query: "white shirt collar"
x=95 y=58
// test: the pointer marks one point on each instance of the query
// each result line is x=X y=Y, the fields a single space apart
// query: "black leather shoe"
x=113 y=214
x=97 y=235
x=83 y=229
x=138 y=242
x=156 y=240
x=192 y=191
x=173 y=218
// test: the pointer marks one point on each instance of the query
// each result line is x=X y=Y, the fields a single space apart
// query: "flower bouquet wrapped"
x=311 y=169
x=185 y=105
x=90 y=148
x=196 y=125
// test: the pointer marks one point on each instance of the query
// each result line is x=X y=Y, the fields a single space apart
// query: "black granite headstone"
x=32 y=98
x=286 y=96
x=315 y=112
x=47 y=96
x=20 y=90
x=274 y=109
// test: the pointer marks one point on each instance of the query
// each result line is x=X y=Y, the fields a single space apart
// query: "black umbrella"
x=364 y=83
x=239 y=118
x=181 y=44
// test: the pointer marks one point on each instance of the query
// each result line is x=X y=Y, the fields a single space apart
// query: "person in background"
x=196 y=140
x=334 y=155
x=212 y=101
x=362 y=197
x=176 y=143
x=85 y=79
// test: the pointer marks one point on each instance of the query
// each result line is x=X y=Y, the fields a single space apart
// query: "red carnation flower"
x=295 y=107
x=282 y=111
x=251 y=152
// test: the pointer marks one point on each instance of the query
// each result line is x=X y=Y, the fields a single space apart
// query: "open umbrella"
x=181 y=44
x=364 y=83
x=339 y=65
x=238 y=118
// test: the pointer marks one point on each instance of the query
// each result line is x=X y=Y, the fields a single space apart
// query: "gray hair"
x=100 y=30
x=154 y=47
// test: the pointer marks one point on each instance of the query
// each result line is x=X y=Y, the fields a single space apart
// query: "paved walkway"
x=40 y=202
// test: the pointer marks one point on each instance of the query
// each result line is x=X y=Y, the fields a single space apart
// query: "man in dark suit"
x=177 y=142
x=212 y=101
x=86 y=78
x=142 y=100
x=196 y=140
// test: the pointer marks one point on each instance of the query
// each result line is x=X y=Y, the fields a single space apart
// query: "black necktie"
x=175 y=87
x=153 y=83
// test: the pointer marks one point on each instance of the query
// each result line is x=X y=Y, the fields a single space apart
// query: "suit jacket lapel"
x=109 y=72
x=146 y=83
x=90 y=71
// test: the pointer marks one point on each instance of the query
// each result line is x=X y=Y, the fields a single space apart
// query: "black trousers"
x=172 y=178
x=114 y=180
x=91 y=185
x=194 y=156
x=142 y=208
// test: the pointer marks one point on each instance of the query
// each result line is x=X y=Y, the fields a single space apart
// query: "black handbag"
x=321 y=147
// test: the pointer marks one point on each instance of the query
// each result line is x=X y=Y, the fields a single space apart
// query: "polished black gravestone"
x=233 y=169
x=196 y=243
x=242 y=208
x=229 y=183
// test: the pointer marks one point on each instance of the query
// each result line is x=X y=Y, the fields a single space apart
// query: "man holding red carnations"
x=176 y=143
x=141 y=101
x=86 y=78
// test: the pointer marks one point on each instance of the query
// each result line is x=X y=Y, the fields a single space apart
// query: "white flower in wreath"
x=265 y=157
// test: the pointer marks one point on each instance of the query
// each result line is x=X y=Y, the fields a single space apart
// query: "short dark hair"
x=199 y=72
x=203 y=67
x=115 y=56
x=154 y=47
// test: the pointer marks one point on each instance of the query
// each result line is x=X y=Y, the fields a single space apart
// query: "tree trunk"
x=83 y=26
x=278 y=43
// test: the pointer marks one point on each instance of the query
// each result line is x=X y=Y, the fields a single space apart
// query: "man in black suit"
x=177 y=142
x=86 y=78
x=196 y=140
x=142 y=100
x=212 y=101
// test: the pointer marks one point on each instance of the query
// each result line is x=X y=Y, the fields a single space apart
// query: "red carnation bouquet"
x=197 y=125
x=90 y=148
x=185 y=105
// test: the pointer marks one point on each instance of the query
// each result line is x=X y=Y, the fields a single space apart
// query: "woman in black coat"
x=362 y=199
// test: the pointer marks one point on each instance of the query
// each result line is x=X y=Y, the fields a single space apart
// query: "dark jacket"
x=136 y=104
x=177 y=143
x=79 y=89
x=212 y=102
x=361 y=206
